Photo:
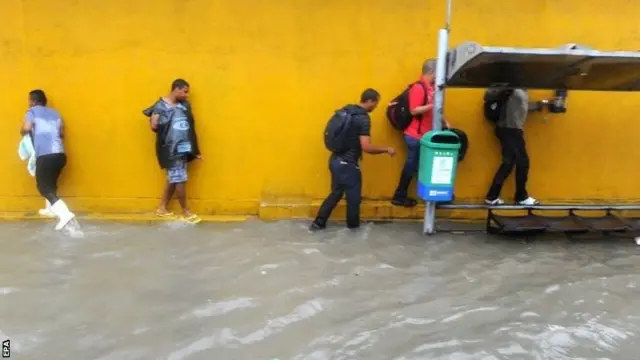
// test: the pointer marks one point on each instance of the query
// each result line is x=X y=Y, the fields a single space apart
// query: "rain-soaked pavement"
x=274 y=291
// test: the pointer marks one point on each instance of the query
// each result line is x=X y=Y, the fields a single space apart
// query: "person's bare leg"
x=166 y=197
x=181 y=192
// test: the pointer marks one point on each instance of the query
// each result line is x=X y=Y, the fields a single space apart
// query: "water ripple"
x=223 y=307
x=272 y=290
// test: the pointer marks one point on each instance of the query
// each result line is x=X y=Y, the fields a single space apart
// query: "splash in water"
x=73 y=229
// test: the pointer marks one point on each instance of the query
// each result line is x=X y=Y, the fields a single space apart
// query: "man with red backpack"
x=418 y=112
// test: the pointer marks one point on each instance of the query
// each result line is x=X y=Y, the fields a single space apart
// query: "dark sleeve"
x=194 y=139
x=192 y=130
x=364 y=126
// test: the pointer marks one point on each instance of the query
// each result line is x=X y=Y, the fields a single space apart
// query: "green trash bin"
x=438 y=162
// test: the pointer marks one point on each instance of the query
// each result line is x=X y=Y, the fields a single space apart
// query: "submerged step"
x=513 y=224
x=633 y=223
x=605 y=223
x=565 y=224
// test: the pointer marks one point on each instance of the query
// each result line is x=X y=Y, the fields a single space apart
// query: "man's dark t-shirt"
x=361 y=127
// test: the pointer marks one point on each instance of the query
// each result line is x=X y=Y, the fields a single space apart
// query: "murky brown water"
x=274 y=291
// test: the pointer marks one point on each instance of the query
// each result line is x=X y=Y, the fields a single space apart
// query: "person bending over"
x=510 y=132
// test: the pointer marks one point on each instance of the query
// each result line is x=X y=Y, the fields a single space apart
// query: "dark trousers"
x=514 y=153
x=410 y=167
x=346 y=179
x=48 y=169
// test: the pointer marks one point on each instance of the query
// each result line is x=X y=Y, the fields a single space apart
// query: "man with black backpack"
x=412 y=112
x=508 y=109
x=347 y=136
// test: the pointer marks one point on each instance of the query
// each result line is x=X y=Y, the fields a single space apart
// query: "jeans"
x=346 y=179
x=514 y=154
x=410 y=167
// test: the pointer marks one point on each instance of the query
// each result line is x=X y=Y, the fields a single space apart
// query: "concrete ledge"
x=561 y=207
x=124 y=218
x=441 y=224
x=91 y=205
x=378 y=210
x=140 y=210
x=370 y=210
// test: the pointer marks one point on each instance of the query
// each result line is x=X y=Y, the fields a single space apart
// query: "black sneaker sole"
x=404 y=203
x=316 y=227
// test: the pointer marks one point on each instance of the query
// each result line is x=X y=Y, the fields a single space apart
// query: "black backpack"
x=494 y=105
x=398 y=111
x=464 y=143
x=338 y=132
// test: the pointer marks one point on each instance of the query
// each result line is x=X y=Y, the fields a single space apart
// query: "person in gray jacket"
x=509 y=130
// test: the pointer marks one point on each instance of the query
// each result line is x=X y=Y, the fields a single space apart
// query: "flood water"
x=275 y=291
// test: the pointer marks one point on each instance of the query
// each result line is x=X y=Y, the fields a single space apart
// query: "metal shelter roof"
x=571 y=66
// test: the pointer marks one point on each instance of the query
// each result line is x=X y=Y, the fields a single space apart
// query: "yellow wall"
x=265 y=77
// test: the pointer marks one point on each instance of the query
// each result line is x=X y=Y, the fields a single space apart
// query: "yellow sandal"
x=164 y=214
x=193 y=219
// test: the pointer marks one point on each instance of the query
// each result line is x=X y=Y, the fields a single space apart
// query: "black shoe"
x=406 y=202
x=316 y=227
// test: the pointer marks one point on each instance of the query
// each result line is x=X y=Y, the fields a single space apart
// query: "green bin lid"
x=427 y=138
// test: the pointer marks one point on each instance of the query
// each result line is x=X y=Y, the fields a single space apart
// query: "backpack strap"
x=426 y=98
x=505 y=100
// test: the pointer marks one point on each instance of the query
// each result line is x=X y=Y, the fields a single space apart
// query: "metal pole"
x=447 y=25
x=438 y=107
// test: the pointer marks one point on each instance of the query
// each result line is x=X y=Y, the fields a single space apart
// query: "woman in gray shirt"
x=44 y=124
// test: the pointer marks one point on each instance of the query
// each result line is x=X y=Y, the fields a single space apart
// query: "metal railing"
x=560 y=207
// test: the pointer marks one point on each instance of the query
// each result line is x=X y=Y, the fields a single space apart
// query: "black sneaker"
x=406 y=202
x=316 y=227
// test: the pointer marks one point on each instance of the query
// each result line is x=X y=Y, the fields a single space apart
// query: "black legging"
x=48 y=169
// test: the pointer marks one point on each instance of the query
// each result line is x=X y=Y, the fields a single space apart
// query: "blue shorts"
x=177 y=172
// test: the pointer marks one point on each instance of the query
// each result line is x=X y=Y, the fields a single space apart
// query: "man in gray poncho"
x=176 y=144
